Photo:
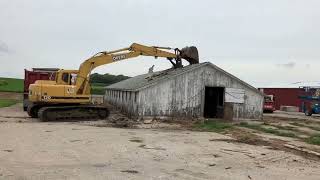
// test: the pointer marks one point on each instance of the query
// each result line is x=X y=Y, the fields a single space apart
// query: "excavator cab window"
x=65 y=77
x=73 y=79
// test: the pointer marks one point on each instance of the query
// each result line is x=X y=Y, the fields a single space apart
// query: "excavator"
x=67 y=97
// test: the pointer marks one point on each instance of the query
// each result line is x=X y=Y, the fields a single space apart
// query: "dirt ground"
x=80 y=150
x=11 y=95
x=294 y=115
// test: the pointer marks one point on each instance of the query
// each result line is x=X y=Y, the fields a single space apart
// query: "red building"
x=285 y=96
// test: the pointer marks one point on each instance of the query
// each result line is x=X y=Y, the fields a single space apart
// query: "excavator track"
x=69 y=113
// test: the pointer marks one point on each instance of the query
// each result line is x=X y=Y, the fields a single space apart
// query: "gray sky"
x=261 y=41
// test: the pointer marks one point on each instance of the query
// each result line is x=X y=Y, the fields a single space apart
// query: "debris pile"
x=117 y=119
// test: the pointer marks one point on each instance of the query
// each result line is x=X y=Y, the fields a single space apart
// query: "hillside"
x=98 y=82
x=11 y=85
x=106 y=79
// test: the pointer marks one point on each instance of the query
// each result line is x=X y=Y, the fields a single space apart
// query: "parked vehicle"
x=312 y=109
x=269 y=105
x=30 y=77
x=311 y=100
x=311 y=105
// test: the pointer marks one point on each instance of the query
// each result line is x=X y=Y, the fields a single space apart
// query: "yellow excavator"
x=68 y=96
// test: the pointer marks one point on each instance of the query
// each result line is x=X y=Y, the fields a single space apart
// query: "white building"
x=199 y=90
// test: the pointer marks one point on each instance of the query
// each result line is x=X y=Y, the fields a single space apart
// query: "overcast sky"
x=262 y=42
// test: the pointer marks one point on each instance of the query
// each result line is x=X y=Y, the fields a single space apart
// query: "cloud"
x=3 y=47
x=288 y=65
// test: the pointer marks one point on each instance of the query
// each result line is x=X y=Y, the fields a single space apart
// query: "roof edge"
x=202 y=64
x=231 y=75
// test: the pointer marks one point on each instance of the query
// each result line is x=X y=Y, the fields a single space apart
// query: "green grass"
x=7 y=102
x=16 y=85
x=100 y=90
x=99 y=84
x=11 y=85
x=3 y=82
x=290 y=128
x=314 y=139
x=213 y=126
x=259 y=127
x=313 y=127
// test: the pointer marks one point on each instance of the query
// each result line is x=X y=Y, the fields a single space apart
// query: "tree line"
x=106 y=79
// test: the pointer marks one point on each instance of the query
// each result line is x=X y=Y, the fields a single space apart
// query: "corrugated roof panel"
x=143 y=80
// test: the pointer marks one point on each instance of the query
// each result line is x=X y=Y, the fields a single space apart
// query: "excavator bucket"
x=190 y=54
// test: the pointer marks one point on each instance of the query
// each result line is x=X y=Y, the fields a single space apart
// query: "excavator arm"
x=135 y=50
x=68 y=96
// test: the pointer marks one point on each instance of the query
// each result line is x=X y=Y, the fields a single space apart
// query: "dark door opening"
x=213 y=102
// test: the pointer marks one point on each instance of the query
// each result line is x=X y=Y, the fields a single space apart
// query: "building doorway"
x=213 y=102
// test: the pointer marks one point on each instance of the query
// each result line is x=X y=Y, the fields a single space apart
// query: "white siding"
x=183 y=96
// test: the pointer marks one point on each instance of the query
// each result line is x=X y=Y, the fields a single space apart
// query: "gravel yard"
x=74 y=150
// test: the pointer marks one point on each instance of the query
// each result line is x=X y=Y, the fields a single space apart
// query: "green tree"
x=106 y=79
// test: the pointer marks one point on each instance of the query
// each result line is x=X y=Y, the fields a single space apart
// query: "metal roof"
x=292 y=85
x=145 y=80
x=140 y=81
x=45 y=69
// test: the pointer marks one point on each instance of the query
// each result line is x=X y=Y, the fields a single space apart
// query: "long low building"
x=199 y=90
x=289 y=96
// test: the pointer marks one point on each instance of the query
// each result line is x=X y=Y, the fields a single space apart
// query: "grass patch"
x=11 y=85
x=99 y=84
x=7 y=102
x=100 y=90
x=267 y=130
x=290 y=128
x=3 y=82
x=296 y=124
x=314 y=128
x=213 y=126
x=314 y=139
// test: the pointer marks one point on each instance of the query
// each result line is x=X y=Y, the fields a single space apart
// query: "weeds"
x=7 y=102
x=314 y=139
x=313 y=127
x=3 y=82
x=213 y=126
x=290 y=128
x=267 y=130
x=296 y=124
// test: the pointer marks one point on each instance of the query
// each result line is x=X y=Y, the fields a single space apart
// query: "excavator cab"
x=66 y=77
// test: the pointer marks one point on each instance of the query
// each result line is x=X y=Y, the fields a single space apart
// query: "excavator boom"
x=188 y=53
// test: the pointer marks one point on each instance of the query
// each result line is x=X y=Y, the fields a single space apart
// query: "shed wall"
x=183 y=96
x=126 y=101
